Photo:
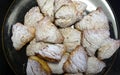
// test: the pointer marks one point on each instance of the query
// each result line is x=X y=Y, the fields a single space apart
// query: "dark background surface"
x=4 y=67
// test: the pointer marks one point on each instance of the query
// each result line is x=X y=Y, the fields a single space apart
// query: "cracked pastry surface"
x=94 y=65
x=60 y=3
x=33 y=16
x=77 y=61
x=49 y=52
x=108 y=48
x=69 y=13
x=57 y=68
x=95 y=20
x=80 y=7
x=21 y=35
x=72 y=38
x=92 y=40
x=47 y=8
x=46 y=31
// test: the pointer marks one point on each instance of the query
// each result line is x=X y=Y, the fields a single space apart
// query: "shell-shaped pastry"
x=108 y=48
x=49 y=52
x=21 y=35
x=95 y=20
x=46 y=31
x=77 y=61
x=57 y=68
x=33 y=16
x=94 y=65
x=92 y=39
x=72 y=38
x=47 y=8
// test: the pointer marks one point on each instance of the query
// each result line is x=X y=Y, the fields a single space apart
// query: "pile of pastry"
x=64 y=39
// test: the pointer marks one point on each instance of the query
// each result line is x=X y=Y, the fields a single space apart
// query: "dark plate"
x=18 y=59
